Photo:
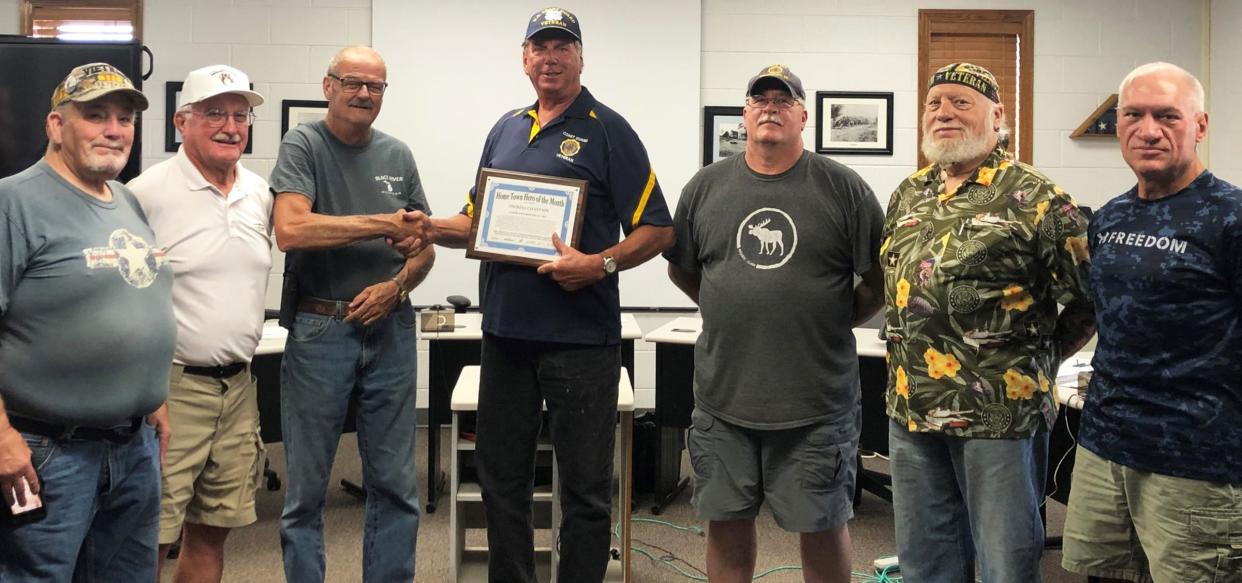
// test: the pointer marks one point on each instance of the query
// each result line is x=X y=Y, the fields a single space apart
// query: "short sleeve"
x=632 y=183
x=13 y=259
x=1062 y=249
x=685 y=250
x=295 y=166
x=868 y=228
x=415 y=197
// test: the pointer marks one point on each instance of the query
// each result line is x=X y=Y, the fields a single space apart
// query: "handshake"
x=409 y=232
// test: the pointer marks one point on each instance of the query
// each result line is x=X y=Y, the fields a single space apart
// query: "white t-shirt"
x=220 y=249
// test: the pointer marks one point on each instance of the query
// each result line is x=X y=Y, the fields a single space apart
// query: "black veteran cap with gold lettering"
x=970 y=75
x=94 y=80
x=553 y=18
x=785 y=78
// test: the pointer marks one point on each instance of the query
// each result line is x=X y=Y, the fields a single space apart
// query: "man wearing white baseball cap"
x=213 y=219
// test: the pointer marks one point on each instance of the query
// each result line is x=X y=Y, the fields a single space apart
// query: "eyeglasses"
x=218 y=117
x=761 y=102
x=351 y=85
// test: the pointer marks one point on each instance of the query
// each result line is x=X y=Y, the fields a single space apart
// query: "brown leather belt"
x=323 y=307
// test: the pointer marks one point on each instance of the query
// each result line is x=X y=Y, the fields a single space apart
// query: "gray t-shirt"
x=777 y=257
x=86 y=320
x=378 y=177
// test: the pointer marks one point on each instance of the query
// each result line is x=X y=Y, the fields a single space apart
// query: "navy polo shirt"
x=589 y=142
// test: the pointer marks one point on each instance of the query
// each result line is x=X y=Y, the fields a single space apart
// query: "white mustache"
x=770 y=117
x=226 y=138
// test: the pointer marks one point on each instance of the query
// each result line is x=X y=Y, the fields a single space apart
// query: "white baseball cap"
x=215 y=80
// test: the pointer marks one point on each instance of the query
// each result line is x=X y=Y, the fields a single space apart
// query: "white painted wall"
x=10 y=16
x=1225 y=91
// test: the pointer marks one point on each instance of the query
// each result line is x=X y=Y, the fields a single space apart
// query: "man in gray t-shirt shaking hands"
x=341 y=188
x=768 y=244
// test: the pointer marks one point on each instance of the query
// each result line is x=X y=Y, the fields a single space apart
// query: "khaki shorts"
x=1141 y=526
x=805 y=474
x=215 y=457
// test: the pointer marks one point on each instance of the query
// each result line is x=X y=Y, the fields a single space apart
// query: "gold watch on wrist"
x=402 y=293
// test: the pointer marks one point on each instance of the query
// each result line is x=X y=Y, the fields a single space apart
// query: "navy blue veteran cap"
x=553 y=18
x=780 y=73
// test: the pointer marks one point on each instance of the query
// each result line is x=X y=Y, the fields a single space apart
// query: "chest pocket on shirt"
x=986 y=250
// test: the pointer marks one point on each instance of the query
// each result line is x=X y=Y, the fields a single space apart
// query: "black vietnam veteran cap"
x=782 y=74
x=553 y=18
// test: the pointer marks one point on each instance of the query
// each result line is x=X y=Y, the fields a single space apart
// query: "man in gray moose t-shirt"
x=768 y=244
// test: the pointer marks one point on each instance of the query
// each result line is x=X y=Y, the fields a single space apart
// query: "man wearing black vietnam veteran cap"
x=777 y=221
x=552 y=334
x=979 y=250
x=970 y=75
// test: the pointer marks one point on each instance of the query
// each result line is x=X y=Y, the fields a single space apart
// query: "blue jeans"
x=326 y=362
x=955 y=498
x=103 y=513
x=579 y=385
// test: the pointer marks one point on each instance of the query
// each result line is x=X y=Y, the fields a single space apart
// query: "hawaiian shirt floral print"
x=972 y=279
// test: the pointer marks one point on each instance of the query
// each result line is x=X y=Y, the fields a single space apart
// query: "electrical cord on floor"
x=1073 y=446
x=881 y=577
x=698 y=530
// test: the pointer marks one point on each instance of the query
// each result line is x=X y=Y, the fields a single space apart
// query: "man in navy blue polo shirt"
x=553 y=334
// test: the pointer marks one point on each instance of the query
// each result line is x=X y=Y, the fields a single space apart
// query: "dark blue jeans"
x=326 y=362
x=103 y=513
x=579 y=385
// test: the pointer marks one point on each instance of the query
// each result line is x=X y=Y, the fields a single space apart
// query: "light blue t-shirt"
x=86 y=320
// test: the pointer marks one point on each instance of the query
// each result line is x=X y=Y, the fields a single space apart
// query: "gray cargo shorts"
x=806 y=474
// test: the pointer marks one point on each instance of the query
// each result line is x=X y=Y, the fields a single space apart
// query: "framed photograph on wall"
x=172 y=137
x=723 y=133
x=295 y=112
x=854 y=122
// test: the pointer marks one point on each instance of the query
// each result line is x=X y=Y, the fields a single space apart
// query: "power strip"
x=883 y=563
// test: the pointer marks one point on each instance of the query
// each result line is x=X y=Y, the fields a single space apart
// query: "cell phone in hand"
x=32 y=511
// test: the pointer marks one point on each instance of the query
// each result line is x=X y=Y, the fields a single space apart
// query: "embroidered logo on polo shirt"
x=137 y=261
x=570 y=146
x=391 y=184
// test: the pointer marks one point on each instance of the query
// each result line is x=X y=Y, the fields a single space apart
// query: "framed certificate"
x=515 y=215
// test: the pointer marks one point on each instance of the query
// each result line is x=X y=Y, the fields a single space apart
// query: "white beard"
x=104 y=164
x=946 y=151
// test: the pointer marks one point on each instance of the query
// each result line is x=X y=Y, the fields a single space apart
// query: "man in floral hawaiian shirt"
x=978 y=251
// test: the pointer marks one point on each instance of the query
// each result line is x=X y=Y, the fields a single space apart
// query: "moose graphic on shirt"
x=769 y=240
